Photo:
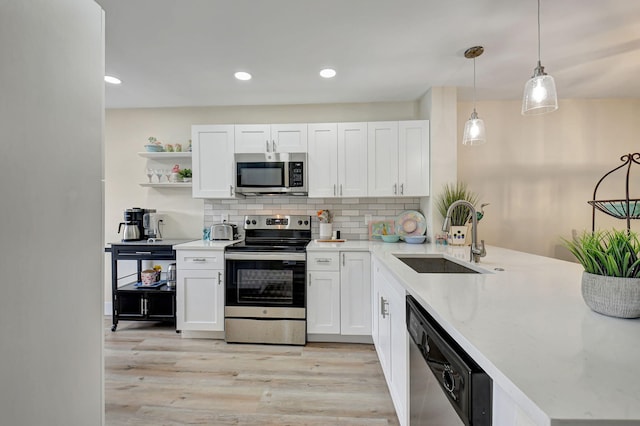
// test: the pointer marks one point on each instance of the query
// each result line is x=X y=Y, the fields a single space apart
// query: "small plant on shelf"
x=185 y=174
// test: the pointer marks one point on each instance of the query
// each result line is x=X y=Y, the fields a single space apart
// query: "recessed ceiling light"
x=241 y=75
x=112 y=80
x=328 y=73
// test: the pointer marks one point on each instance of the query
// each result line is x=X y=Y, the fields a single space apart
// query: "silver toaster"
x=223 y=231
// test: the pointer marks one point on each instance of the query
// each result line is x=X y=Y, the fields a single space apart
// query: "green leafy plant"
x=185 y=173
x=610 y=253
x=452 y=193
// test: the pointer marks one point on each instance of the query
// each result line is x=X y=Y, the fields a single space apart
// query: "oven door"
x=265 y=279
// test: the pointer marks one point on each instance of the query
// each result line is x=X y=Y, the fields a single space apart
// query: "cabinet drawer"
x=200 y=259
x=323 y=261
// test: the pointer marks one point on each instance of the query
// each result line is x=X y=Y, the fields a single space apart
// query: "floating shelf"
x=159 y=155
x=167 y=185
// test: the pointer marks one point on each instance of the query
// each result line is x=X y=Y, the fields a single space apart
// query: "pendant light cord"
x=474 y=84
x=538 y=32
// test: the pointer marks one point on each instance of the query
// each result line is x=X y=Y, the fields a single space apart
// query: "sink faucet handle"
x=482 y=251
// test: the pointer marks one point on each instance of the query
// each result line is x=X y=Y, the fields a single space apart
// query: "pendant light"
x=474 y=131
x=540 y=96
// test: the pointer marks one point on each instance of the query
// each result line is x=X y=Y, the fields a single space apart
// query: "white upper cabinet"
x=323 y=159
x=212 y=161
x=398 y=158
x=413 y=157
x=337 y=159
x=383 y=158
x=270 y=138
x=352 y=159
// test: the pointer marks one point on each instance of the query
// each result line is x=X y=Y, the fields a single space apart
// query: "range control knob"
x=248 y=222
x=299 y=222
x=253 y=222
x=306 y=222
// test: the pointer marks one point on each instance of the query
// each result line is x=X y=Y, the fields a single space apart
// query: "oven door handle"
x=247 y=255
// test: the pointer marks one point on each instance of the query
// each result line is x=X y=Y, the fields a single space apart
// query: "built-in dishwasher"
x=446 y=387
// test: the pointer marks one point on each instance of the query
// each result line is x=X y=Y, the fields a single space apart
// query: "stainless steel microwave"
x=284 y=174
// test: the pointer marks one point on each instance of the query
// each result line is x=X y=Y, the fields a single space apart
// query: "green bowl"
x=390 y=238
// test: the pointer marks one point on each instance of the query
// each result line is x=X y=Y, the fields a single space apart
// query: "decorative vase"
x=612 y=296
x=325 y=231
x=458 y=235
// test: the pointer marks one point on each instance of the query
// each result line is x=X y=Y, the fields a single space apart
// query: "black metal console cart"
x=132 y=303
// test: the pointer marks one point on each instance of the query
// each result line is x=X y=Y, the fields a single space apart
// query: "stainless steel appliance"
x=138 y=218
x=223 y=231
x=151 y=224
x=285 y=174
x=446 y=387
x=172 y=275
x=265 y=298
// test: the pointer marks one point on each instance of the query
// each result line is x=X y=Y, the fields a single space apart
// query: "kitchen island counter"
x=525 y=323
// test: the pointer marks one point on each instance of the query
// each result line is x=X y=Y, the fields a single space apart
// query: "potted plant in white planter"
x=461 y=214
x=611 y=278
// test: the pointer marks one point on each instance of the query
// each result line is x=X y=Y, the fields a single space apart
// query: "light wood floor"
x=154 y=377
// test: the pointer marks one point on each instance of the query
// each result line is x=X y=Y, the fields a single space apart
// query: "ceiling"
x=184 y=52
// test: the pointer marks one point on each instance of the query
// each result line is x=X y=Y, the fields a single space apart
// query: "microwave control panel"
x=296 y=174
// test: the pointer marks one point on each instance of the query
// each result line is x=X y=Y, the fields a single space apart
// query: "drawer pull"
x=323 y=260
x=199 y=259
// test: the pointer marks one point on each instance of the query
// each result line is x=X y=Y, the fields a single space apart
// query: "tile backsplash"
x=348 y=213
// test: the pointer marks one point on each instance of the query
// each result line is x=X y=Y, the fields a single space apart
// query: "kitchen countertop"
x=529 y=328
x=204 y=245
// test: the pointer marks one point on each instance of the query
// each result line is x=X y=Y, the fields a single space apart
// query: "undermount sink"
x=435 y=265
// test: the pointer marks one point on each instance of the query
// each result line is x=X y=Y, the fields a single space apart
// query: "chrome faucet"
x=476 y=251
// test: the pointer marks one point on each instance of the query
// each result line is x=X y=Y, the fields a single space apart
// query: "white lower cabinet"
x=339 y=293
x=390 y=336
x=200 y=290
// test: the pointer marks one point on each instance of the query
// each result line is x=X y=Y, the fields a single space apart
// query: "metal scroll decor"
x=625 y=208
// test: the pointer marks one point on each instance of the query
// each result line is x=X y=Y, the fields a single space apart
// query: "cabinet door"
x=413 y=158
x=323 y=302
x=399 y=349
x=289 y=137
x=382 y=143
x=323 y=160
x=355 y=290
x=252 y=138
x=161 y=305
x=352 y=159
x=212 y=161
x=200 y=300
x=130 y=304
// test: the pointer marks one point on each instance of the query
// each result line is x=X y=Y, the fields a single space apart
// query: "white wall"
x=539 y=172
x=51 y=125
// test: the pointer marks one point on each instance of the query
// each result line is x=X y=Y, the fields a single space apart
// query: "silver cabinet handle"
x=143 y=252
x=324 y=260
x=219 y=278
x=142 y=306
x=402 y=189
x=383 y=307
x=309 y=279
x=340 y=189
x=343 y=261
x=273 y=145
x=267 y=143
x=395 y=188
x=230 y=189
x=199 y=259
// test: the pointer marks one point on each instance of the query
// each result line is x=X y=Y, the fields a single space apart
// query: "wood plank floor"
x=154 y=377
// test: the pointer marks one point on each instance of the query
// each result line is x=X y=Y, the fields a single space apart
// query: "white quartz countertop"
x=204 y=245
x=529 y=329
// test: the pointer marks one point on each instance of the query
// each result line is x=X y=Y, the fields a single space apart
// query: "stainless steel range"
x=265 y=297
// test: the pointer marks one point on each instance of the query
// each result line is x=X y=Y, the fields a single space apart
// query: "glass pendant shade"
x=474 y=131
x=540 y=94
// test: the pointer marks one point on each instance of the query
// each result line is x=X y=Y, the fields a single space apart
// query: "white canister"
x=325 y=231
